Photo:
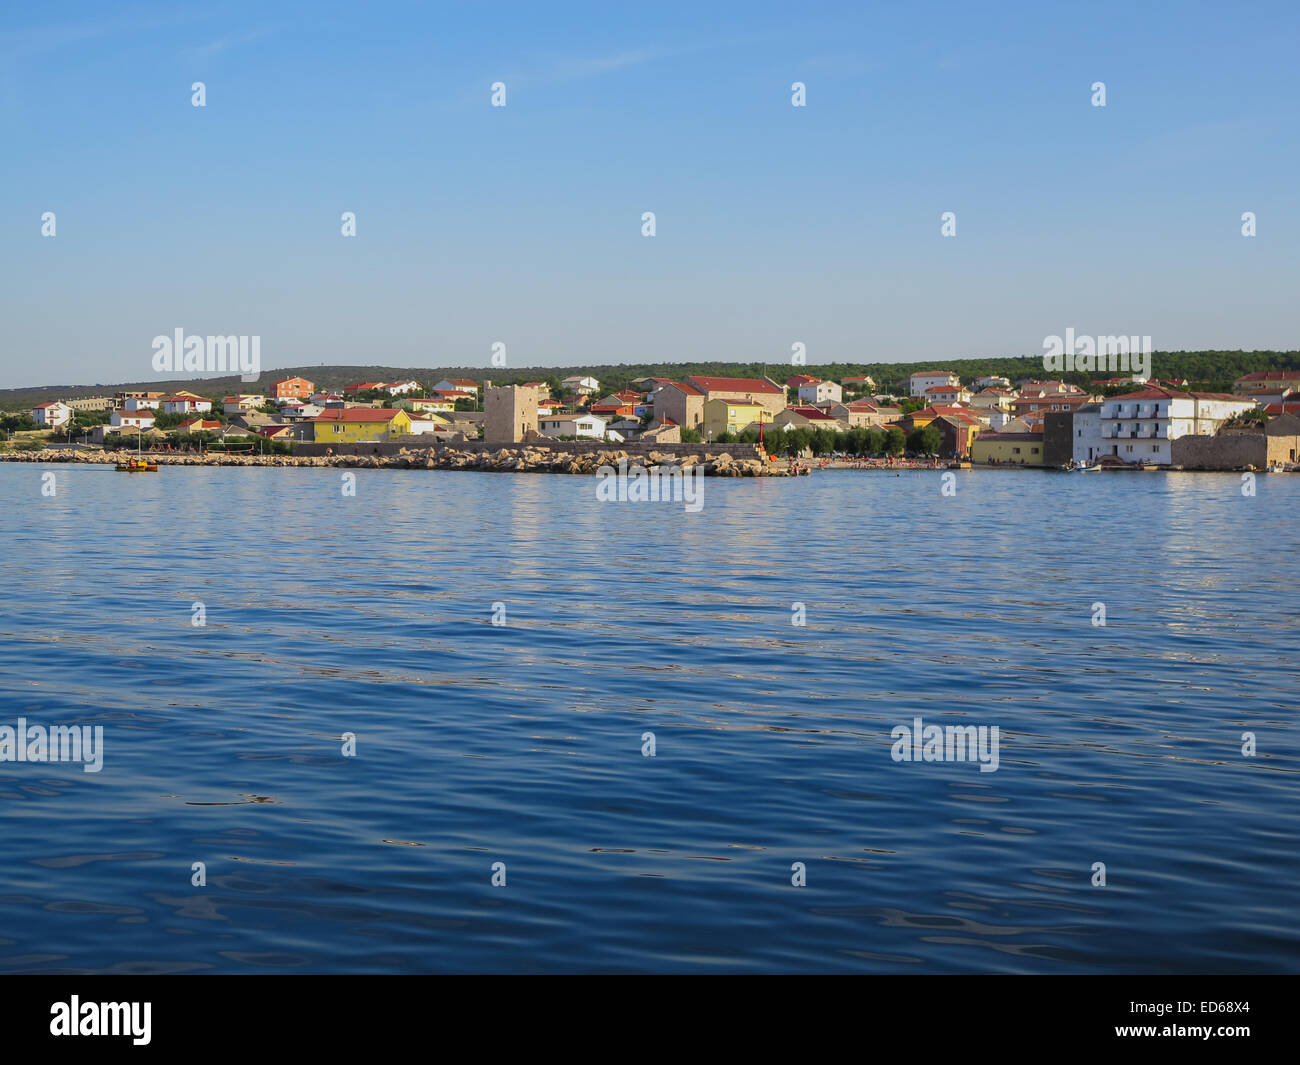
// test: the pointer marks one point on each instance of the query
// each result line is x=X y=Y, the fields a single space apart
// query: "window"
x=1128 y=447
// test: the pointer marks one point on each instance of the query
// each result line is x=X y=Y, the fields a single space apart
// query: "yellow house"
x=428 y=405
x=1008 y=449
x=353 y=425
x=729 y=416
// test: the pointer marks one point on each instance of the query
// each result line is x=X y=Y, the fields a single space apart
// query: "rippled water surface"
x=522 y=743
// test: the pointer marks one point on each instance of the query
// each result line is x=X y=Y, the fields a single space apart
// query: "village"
x=931 y=418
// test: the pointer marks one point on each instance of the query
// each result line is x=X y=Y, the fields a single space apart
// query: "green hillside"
x=1205 y=370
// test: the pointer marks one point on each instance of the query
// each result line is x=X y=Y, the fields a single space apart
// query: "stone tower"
x=509 y=412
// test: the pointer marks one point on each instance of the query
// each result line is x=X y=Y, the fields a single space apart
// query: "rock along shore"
x=520 y=459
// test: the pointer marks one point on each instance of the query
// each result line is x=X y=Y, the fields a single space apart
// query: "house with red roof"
x=807 y=418
x=757 y=390
x=132 y=419
x=52 y=415
x=614 y=406
x=185 y=403
x=920 y=418
x=352 y=425
x=1029 y=404
x=198 y=425
x=956 y=432
x=947 y=394
x=1268 y=382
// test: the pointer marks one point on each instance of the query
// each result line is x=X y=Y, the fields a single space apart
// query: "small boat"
x=137 y=464
x=1081 y=467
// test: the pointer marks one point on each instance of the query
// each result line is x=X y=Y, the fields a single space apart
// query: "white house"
x=143 y=400
x=185 y=403
x=580 y=384
x=993 y=381
x=402 y=388
x=920 y=383
x=820 y=392
x=132 y=419
x=588 y=425
x=295 y=410
x=422 y=424
x=1139 y=426
x=1087 y=443
x=949 y=394
x=52 y=415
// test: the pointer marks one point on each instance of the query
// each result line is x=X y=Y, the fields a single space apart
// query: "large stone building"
x=509 y=413
x=680 y=404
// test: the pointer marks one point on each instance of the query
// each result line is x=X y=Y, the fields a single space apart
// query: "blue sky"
x=522 y=224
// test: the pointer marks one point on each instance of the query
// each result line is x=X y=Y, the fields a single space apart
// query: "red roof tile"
x=358 y=414
x=734 y=384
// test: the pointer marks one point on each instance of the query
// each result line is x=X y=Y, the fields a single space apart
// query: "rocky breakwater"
x=521 y=459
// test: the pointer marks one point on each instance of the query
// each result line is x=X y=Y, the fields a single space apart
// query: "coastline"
x=543 y=460
x=521 y=459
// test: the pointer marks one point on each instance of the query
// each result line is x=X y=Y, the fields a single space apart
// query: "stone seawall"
x=559 y=447
x=1224 y=452
x=715 y=461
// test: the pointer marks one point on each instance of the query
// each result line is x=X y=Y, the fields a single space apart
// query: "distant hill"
x=1208 y=370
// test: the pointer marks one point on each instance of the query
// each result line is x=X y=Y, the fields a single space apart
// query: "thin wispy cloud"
x=214 y=48
x=552 y=69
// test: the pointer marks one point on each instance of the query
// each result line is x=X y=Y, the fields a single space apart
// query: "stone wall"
x=559 y=447
x=1230 y=451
